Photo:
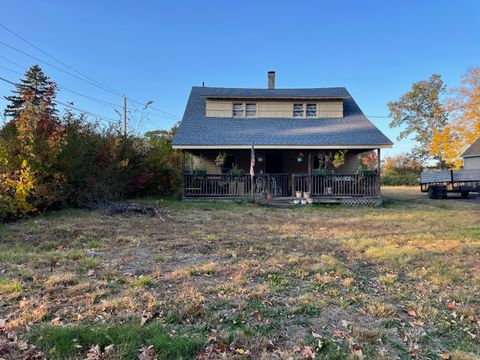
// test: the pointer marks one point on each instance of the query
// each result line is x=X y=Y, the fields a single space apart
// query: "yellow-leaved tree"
x=464 y=125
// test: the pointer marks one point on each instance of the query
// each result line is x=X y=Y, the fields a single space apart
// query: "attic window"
x=251 y=110
x=297 y=110
x=238 y=110
x=311 y=110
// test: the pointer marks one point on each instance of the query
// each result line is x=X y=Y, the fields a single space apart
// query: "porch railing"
x=213 y=185
x=337 y=184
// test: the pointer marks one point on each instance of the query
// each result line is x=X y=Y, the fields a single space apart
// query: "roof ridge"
x=241 y=88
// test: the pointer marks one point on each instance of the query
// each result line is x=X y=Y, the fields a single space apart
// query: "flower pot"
x=296 y=201
x=310 y=200
x=304 y=202
x=269 y=196
x=298 y=194
x=307 y=195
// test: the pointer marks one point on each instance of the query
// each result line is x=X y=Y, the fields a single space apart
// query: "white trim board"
x=195 y=147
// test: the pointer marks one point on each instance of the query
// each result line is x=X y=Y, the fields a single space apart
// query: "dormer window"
x=251 y=110
x=244 y=110
x=311 y=110
x=298 y=110
x=238 y=110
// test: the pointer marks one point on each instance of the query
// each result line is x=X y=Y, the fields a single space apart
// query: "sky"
x=158 y=50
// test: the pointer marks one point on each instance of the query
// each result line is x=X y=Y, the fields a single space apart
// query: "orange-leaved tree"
x=464 y=125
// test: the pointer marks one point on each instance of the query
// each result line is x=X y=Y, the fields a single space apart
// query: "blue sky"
x=158 y=50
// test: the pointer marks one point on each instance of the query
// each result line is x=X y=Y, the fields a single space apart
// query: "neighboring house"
x=471 y=156
x=296 y=135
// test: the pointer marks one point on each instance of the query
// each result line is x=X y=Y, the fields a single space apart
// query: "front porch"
x=280 y=185
x=278 y=174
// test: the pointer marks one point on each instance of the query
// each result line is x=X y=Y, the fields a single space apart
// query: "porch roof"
x=354 y=130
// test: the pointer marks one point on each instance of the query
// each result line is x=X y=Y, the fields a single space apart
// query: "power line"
x=103 y=102
x=71 y=106
x=87 y=79
x=53 y=57
x=59 y=69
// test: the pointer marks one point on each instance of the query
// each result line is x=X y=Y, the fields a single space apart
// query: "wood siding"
x=274 y=108
x=471 y=162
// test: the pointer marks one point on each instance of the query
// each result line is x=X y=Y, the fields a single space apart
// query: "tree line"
x=442 y=121
x=50 y=159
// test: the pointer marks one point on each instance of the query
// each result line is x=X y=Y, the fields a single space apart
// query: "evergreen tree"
x=35 y=83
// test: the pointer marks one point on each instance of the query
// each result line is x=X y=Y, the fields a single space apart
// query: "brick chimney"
x=271 y=79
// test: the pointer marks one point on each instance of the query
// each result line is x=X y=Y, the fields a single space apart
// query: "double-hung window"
x=311 y=110
x=238 y=110
x=298 y=110
x=241 y=110
x=250 y=110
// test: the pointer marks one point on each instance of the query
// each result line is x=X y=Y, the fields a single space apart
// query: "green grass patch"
x=277 y=282
x=143 y=281
x=10 y=286
x=212 y=237
x=127 y=339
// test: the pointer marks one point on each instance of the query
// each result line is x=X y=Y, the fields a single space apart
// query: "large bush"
x=401 y=169
x=47 y=162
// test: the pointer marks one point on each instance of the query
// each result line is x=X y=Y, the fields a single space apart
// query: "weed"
x=143 y=281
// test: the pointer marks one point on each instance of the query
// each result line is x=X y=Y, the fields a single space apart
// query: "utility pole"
x=124 y=115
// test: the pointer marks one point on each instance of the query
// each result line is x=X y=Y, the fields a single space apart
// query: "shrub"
x=400 y=180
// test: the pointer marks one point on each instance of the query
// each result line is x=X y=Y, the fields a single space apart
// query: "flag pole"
x=252 y=164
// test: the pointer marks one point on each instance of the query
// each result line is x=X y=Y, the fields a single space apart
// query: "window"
x=311 y=110
x=251 y=110
x=237 y=110
x=297 y=110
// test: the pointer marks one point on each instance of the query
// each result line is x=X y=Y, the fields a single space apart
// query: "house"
x=471 y=156
x=305 y=140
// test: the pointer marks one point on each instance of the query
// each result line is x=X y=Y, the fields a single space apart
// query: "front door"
x=274 y=163
x=278 y=181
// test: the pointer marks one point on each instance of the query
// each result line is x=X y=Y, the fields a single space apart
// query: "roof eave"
x=274 y=146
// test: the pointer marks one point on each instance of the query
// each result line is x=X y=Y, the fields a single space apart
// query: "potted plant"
x=307 y=195
x=320 y=172
x=298 y=194
x=235 y=171
x=220 y=159
x=200 y=172
x=269 y=196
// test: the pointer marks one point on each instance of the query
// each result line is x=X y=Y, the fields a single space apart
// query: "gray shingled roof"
x=473 y=149
x=353 y=129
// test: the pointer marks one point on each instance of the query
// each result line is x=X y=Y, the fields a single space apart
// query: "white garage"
x=471 y=156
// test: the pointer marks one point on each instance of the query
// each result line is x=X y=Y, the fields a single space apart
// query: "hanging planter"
x=220 y=159
x=300 y=157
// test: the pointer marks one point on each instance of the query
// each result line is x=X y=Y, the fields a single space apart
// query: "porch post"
x=379 y=169
x=183 y=173
x=310 y=172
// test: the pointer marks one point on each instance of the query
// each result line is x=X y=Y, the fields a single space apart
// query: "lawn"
x=215 y=280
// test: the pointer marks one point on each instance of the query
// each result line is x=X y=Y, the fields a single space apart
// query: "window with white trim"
x=311 y=110
x=238 y=110
x=298 y=110
x=250 y=110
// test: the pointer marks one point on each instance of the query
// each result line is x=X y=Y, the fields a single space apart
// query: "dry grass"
x=400 y=280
